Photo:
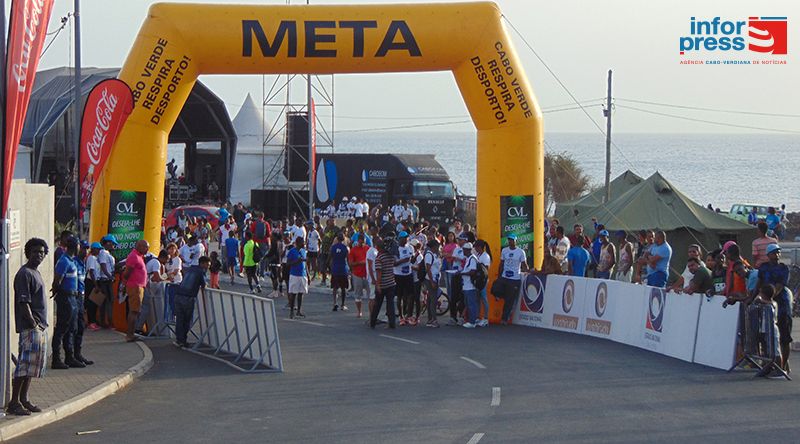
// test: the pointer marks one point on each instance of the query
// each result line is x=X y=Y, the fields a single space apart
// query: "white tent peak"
x=249 y=126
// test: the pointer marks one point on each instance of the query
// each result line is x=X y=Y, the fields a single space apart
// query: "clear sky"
x=580 y=41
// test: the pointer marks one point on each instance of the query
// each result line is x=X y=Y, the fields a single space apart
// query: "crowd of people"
x=374 y=256
x=720 y=271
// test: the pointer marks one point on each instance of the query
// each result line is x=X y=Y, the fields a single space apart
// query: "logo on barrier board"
x=533 y=294
x=601 y=299
x=568 y=296
x=567 y=301
x=599 y=326
x=655 y=309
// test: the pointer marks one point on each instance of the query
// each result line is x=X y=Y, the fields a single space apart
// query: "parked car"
x=197 y=211
x=740 y=211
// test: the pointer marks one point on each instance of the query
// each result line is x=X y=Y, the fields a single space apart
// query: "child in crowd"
x=214 y=269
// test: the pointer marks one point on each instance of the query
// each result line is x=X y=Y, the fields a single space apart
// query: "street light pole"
x=76 y=121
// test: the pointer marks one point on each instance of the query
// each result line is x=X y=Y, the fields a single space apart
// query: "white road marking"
x=495 y=396
x=475 y=438
x=475 y=363
x=400 y=339
x=305 y=322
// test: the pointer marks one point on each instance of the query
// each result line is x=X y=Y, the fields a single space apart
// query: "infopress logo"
x=763 y=35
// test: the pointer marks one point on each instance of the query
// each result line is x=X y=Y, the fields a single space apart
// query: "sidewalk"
x=64 y=392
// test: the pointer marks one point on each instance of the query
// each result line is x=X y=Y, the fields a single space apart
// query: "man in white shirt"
x=330 y=212
x=408 y=215
x=342 y=210
x=312 y=247
x=224 y=233
x=470 y=292
x=456 y=299
x=365 y=207
x=358 y=210
x=561 y=248
x=433 y=267
x=297 y=230
x=398 y=209
x=351 y=207
x=512 y=261
x=403 y=278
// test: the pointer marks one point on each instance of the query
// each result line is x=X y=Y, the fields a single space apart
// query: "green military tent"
x=656 y=204
x=590 y=201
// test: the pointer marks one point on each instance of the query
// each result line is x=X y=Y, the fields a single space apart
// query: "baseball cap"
x=402 y=234
x=109 y=238
x=771 y=248
x=512 y=236
x=84 y=243
x=344 y=197
x=603 y=233
x=463 y=236
x=72 y=242
x=467 y=246
x=96 y=245
x=727 y=245
x=309 y=222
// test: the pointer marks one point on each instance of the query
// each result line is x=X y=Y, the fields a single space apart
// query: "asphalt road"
x=346 y=383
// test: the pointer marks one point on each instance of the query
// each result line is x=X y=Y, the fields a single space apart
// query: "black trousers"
x=388 y=294
x=184 y=312
x=64 y=330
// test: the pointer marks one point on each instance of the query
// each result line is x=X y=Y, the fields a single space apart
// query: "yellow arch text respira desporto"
x=178 y=42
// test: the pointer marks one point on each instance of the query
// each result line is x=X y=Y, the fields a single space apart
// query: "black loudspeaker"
x=295 y=163
x=276 y=204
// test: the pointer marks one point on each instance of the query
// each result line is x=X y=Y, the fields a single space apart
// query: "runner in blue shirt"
x=232 y=252
x=298 y=277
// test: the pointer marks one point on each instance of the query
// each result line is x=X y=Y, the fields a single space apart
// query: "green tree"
x=564 y=179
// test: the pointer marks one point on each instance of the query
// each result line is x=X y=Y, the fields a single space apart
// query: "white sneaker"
x=482 y=323
x=468 y=325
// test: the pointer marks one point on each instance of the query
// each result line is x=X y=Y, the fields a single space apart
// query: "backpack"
x=257 y=254
x=261 y=230
x=422 y=272
x=481 y=276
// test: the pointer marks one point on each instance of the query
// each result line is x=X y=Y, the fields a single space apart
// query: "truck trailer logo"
x=327 y=180
x=756 y=34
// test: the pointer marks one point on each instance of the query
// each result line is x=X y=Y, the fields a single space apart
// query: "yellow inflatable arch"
x=178 y=42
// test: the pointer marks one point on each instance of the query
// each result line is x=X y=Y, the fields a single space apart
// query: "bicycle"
x=442 y=304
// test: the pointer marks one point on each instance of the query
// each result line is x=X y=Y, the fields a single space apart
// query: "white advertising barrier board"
x=607 y=310
x=688 y=327
x=554 y=302
x=669 y=323
x=716 y=333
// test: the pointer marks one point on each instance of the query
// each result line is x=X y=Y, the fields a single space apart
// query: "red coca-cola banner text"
x=28 y=26
x=107 y=108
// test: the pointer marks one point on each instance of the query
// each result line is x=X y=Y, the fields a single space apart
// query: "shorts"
x=361 y=287
x=785 y=329
x=135 y=297
x=340 y=281
x=405 y=285
x=312 y=255
x=298 y=284
x=32 y=355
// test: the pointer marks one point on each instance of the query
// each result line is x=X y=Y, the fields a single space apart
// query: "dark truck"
x=384 y=179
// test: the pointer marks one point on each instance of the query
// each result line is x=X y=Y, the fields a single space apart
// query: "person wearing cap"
x=775 y=273
x=607 y=257
x=561 y=247
x=357 y=260
x=513 y=260
x=65 y=291
x=625 y=264
x=404 y=279
x=341 y=212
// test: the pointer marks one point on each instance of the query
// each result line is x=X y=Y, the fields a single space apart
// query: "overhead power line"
x=710 y=122
x=699 y=108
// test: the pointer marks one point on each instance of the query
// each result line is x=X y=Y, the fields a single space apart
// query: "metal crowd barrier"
x=238 y=329
x=759 y=339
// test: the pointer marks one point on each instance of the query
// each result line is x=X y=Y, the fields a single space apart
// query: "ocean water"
x=721 y=169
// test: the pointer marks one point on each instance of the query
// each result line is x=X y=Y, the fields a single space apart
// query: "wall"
x=34 y=204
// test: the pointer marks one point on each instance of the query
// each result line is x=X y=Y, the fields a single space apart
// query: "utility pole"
x=76 y=121
x=310 y=120
x=607 y=113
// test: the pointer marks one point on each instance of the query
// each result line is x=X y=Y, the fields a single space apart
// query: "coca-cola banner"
x=28 y=25
x=107 y=108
